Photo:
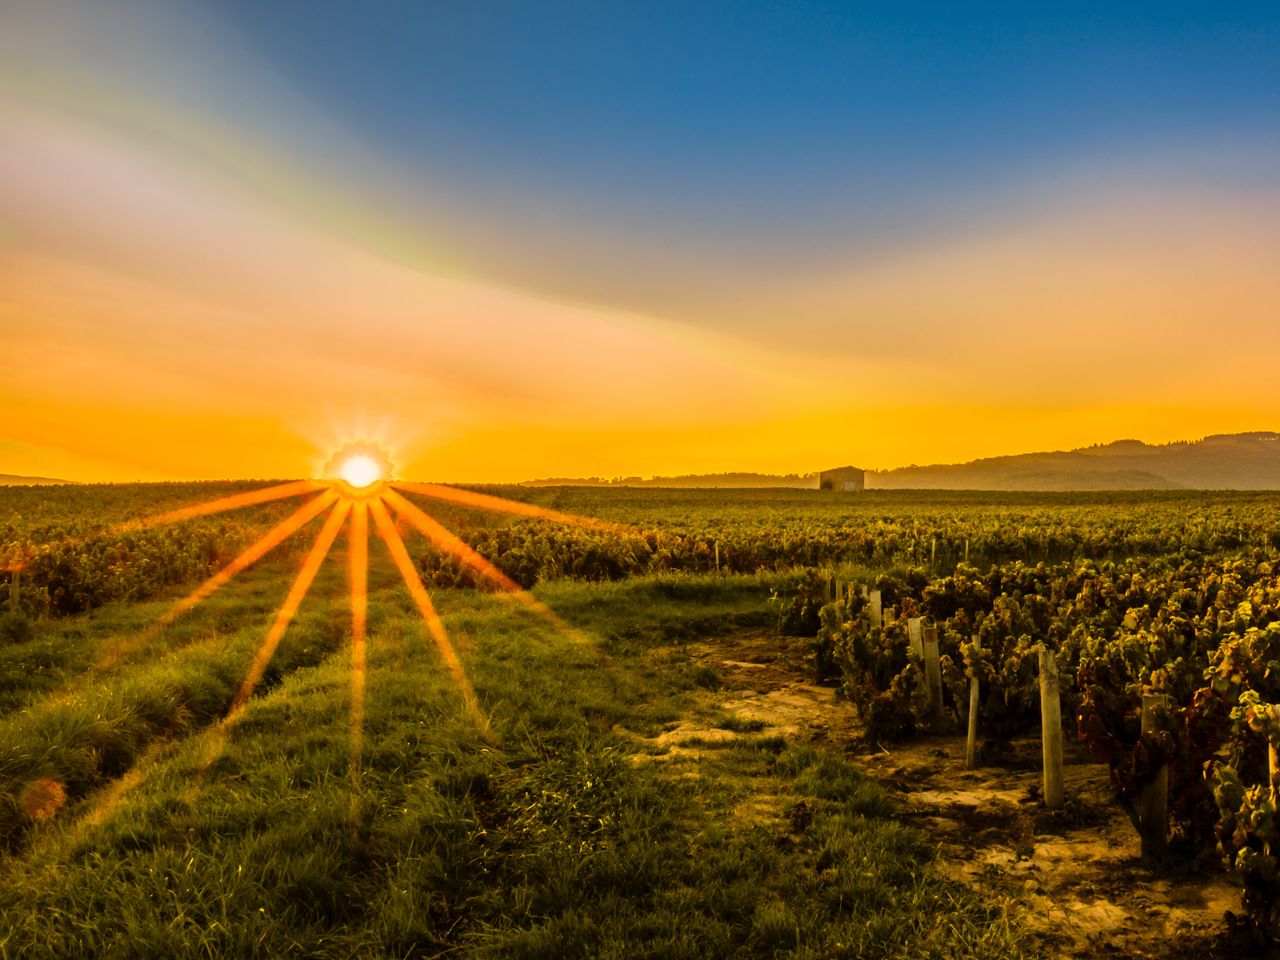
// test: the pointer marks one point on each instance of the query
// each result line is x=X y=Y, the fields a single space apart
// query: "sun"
x=361 y=469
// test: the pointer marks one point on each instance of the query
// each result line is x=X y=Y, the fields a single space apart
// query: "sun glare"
x=360 y=471
x=355 y=485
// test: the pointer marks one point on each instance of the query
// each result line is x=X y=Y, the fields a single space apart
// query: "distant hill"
x=1240 y=461
x=696 y=481
x=1237 y=461
x=13 y=480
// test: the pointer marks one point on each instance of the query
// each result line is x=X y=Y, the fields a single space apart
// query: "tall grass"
x=546 y=839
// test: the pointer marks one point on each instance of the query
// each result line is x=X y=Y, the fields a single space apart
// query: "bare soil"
x=1076 y=874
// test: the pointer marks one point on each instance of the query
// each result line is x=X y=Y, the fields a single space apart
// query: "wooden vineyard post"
x=1153 y=809
x=1051 y=729
x=1273 y=771
x=966 y=549
x=877 y=611
x=826 y=589
x=915 y=636
x=971 y=743
x=717 y=546
x=933 y=551
x=839 y=591
x=932 y=674
x=891 y=615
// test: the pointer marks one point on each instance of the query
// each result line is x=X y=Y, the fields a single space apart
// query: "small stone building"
x=843 y=478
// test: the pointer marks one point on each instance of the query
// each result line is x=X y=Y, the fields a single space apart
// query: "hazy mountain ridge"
x=1242 y=461
x=15 y=480
x=1239 y=461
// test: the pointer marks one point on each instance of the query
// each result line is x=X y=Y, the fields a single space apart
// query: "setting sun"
x=360 y=470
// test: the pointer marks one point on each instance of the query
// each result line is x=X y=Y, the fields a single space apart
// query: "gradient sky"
x=518 y=240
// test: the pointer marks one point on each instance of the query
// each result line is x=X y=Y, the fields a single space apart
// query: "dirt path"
x=1077 y=874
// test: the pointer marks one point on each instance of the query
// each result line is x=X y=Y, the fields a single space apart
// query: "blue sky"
x=800 y=124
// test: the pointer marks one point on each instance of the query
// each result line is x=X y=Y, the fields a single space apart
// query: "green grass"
x=663 y=608
x=738 y=724
x=59 y=652
x=547 y=839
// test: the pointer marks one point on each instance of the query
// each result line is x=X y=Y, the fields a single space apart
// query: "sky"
x=510 y=240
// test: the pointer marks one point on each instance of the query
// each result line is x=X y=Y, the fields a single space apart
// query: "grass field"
x=138 y=824
x=567 y=819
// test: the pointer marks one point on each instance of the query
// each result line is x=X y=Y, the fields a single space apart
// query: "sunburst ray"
x=399 y=554
x=251 y=555
x=449 y=542
x=283 y=491
x=485 y=501
x=301 y=584
x=358 y=571
x=237 y=501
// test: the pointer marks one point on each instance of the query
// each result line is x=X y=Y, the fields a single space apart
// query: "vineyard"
x=75 y=560
x=1200 y=635
x=1160 y=611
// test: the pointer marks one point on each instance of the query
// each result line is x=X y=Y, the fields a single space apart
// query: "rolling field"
x=609 y=797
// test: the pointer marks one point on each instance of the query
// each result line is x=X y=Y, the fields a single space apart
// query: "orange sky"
x=177 y=301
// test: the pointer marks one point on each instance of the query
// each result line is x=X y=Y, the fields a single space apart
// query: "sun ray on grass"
x=251 y=555
x=103 y=804
x=399 y=554
x=310 y=567
x=449 y=542
x=237 y=501
x=485 y=501
x=358 y=570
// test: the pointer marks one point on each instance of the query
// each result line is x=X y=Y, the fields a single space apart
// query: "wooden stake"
x=1051 y=729
x=877 y=611
x=933 y=551
x=915 y=636
x=717 y=546
x=971 y=744
x=1153 y=810
x=840 y=591
x=826 y=590
x=966 y=549
x=932 y=674
x=1273 y=771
